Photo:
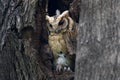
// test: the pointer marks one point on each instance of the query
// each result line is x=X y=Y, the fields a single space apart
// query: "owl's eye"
x=61 y=22
x=50 y=25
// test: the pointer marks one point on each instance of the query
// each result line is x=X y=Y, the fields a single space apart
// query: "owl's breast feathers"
x=57 y=43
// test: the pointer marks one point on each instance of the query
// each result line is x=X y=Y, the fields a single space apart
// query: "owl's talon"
x=58 y=68
x=68 y=69
x=65 y=68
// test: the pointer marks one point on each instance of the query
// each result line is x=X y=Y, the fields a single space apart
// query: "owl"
x=61 y=38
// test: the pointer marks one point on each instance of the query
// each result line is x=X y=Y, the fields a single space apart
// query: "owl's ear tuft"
x=64 y=14
x=47 y=18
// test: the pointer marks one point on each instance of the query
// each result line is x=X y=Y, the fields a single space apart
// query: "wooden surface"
x=18 y=58
x=23 y=51
x=98 y=52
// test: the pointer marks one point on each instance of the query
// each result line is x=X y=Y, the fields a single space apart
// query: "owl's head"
x=58 y=23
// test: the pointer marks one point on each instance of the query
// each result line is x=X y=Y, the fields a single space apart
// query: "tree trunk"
x=98 y=52
x=18 y=55
x=24 y=51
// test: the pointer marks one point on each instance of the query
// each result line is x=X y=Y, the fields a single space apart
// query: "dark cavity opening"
x=61 y=5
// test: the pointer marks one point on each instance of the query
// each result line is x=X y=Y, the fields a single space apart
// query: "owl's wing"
x=70 y=39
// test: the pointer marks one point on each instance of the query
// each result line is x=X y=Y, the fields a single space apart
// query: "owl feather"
x=62 y=35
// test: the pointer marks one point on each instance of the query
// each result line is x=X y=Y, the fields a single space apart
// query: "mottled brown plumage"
x=61 y=32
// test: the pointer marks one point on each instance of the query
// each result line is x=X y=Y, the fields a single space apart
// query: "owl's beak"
x=57 y=31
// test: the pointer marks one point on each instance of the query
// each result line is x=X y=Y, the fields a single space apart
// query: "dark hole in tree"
x=61 y=5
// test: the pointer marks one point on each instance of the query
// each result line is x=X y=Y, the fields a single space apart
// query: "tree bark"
x=98 y=52
x=25 y=55
x=24 y=51
x=18 y=57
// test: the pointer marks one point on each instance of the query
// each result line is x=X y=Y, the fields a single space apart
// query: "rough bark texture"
x=98 y=52
x=24 y=53
x=18 y=57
